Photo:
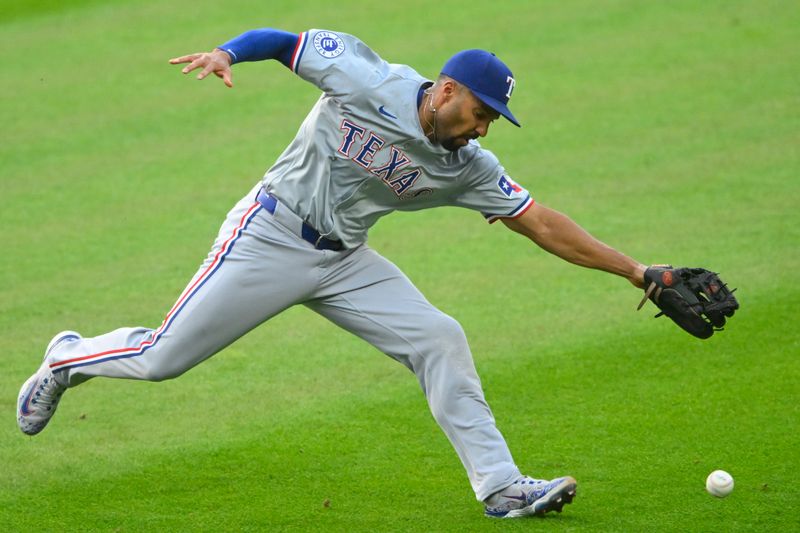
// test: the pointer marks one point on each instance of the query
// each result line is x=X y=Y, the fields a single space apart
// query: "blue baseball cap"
x=489 y=79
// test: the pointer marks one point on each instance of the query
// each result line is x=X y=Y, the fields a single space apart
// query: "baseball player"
x=380 y=138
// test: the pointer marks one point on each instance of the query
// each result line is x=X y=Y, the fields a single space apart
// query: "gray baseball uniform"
x=360 y=154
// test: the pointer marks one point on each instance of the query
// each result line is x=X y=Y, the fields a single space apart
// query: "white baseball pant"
x=259 y=266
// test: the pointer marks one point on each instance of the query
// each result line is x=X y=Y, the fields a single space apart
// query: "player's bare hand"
x=217 y=62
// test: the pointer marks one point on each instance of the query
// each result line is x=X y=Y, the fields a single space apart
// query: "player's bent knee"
x=441 y=348
x=446 y=335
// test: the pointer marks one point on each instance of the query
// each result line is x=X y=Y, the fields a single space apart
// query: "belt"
x=296 y=224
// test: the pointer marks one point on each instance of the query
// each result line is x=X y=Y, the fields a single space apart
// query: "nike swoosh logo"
x=383 y=111
x=24 y=409
x=521 y=497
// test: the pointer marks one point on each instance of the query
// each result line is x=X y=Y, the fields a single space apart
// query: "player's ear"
x=450 y=88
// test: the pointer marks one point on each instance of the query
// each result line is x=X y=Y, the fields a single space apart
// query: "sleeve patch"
x=328 y=44
x=508 y=186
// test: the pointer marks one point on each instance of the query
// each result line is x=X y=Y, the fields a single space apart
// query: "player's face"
x=463 y=118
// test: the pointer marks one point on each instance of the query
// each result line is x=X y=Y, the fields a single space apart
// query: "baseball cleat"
x=530 y=497
x=39 y=396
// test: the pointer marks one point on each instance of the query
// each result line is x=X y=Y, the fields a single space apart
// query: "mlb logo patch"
x=508 y=186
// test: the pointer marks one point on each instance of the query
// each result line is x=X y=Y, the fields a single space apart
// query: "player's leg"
x=370 y=297
x=256 y=268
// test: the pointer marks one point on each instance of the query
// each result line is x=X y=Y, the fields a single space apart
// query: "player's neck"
x=427 y=117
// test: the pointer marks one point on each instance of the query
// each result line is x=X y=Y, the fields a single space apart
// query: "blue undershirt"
x=265 y=43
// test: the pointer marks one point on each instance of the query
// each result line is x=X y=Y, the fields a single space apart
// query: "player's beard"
x=450 y=144
x=443 y=132
x=455 y=143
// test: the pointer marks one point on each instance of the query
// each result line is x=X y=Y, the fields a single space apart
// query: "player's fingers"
x=208 y=69
x=183 y=59
x=195 y=64
x=226 y=77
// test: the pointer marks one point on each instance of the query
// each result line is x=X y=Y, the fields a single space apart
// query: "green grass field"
x=671 y=130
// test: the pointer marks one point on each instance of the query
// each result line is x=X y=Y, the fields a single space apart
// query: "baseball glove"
x=694 y=298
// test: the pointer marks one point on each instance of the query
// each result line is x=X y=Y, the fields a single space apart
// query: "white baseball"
x=719 y=483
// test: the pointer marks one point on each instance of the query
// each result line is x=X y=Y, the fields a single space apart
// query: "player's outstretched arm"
x=559 y=235
x=217 y=62
x=254 y=45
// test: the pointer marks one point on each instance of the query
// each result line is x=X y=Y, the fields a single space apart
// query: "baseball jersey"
x=361 y=152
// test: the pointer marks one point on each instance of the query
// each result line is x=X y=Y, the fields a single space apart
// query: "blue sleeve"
x=266 y=43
